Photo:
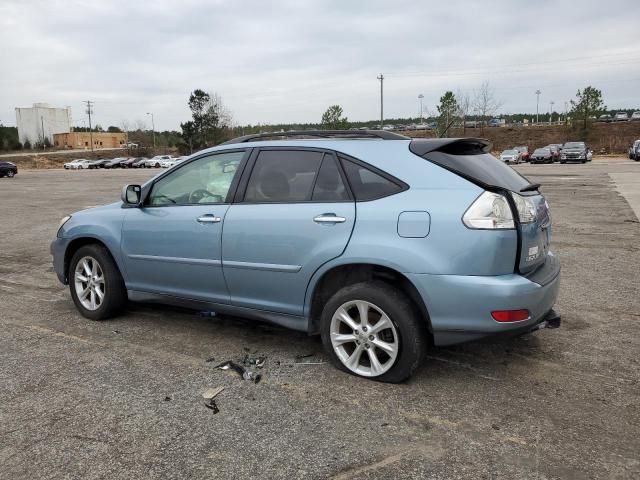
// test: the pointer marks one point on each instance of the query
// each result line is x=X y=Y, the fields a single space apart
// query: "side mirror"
x=131 y=195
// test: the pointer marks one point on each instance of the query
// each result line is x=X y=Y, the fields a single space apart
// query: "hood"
x=91 y=209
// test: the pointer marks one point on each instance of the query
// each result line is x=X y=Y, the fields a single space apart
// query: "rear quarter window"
x=367 y=184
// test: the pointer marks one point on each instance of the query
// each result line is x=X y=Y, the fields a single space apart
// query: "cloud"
x=287 y=61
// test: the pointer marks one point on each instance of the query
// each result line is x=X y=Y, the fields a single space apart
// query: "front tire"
x=373 y=330
x=96 y=286
x=10 y=174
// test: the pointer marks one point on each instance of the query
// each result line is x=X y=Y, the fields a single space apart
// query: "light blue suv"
x=382 y=244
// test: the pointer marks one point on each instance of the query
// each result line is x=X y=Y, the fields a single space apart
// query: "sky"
x=287 y=61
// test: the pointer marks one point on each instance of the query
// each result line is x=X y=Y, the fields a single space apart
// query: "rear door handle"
x=329 y=218
x=208 y=218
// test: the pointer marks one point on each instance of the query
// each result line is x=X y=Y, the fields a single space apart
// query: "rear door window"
x=367 y=184
x=329 y=185
x=282 y=176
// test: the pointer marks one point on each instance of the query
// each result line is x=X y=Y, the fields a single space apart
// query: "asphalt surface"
x=123 y=398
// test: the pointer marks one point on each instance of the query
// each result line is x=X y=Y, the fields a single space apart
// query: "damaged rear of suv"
x=381 y=244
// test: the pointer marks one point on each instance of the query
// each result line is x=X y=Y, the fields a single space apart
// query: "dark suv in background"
x=575 y=152
x=8 y=169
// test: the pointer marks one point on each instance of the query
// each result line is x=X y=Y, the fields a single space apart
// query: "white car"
x=510 y=156
x=73 y=164
x=172 y=162
x=157 y=161
x=83 y=164
x=635 y=116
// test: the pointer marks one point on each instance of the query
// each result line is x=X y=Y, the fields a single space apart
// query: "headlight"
x=62 y=222
x=526 y=208
x=489 y=211
x=563 y=156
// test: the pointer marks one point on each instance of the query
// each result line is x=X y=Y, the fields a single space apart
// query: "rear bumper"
x=460 y=306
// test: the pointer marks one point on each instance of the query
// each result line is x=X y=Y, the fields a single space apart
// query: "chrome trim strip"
x=271 y=267
x=186 y=261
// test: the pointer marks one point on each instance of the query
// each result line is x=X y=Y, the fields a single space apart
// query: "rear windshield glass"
x=482 y=169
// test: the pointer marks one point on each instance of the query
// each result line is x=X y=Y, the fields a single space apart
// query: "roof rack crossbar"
x=381 y=134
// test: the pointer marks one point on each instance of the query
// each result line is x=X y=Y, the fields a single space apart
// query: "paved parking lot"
x=122 y=398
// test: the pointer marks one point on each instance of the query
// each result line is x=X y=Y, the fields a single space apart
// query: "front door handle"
x=329 y=218
x=208 y=218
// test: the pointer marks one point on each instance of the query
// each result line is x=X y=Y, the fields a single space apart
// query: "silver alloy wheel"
x=10 y=173
x=357 y=327
x=89 y=283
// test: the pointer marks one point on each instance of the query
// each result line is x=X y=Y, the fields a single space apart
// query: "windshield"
x=542 y=151
x=510 y=152
x=522 y=149
x=574 y=145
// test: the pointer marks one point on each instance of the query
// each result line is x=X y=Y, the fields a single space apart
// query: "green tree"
x=210 y=117
x=588 y=103
x=332 y=119
x=448 y=110
x=189 y=134
x=114 y=129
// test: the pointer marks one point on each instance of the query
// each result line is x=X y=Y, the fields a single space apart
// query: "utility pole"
x=421 y=96
x=381 y=78
x=89 y=112
x=566 y=108
x=551 y=112
x=538 y=92
x=153 y=129
x=42 y=124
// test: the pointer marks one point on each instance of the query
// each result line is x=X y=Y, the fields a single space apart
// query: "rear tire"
x=388 y=346
x=10 y=174
x=92 y=273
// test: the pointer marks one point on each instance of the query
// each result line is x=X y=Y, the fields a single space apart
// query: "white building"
x=42 y=121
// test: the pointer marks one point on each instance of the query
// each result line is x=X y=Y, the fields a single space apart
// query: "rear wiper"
x=531 y=187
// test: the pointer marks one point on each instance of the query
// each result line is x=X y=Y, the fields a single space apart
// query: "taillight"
x=510 y=315
x=489 y=211
x=526 y=208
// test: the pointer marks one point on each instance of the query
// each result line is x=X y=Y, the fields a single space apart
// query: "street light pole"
x=381 y=78
x=538 y=92
x=153 y=129
x=421 y=96
x=551 y=112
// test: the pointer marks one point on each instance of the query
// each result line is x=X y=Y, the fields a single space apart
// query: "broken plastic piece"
x=211 y=404
x=240 y=370
x=211 y=393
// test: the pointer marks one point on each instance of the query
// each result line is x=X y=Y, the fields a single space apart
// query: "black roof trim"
x=455 y=146
x=354 y=134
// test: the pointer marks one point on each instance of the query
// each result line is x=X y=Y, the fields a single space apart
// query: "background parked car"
x=555 y=152
x=635 y=117
x=604 y=118
x=524 y=152
x=139 y=162
x=621 y=117
x=8 y=169
x=542 y=155
x=73 y=164
x=83 y=164
x=157 y=160
x=634 y=151
x=98 y=163
x=128 y=162
x=114 y=163
x=575 y=152
x=510 y=156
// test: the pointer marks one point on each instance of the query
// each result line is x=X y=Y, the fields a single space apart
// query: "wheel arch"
x=79 y=242
x=332 y=278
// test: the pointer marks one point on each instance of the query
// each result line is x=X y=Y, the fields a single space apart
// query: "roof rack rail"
x=381 y=134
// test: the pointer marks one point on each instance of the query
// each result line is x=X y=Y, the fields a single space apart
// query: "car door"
x=293 y=212
x=172 y=244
